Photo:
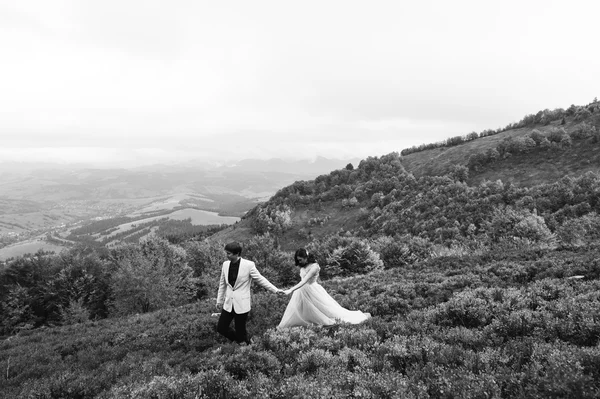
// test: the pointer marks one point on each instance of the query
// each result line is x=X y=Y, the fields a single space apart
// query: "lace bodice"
x=305 y=270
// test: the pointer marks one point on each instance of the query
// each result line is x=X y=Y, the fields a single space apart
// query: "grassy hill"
x=542 y=163
x=477 y=326
x=440 y=160
x=527 y=169
x=484 y=289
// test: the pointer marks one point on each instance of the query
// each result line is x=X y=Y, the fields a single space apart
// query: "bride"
x=310 y=303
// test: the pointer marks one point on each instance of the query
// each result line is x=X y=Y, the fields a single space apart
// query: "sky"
x=132 y=82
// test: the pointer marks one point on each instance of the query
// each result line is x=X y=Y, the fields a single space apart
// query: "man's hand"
x=219 y=306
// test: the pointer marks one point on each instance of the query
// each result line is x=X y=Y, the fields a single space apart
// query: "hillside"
x=38 y=201
x=536 y=152
x=486 y=289
x=527 y=169
x=472 y=327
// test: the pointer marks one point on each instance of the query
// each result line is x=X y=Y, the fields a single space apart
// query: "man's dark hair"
x=234 y=247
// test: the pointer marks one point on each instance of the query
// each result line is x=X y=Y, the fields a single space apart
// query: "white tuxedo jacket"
x=238 y=295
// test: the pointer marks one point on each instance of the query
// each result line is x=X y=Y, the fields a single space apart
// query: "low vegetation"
x=476 y=291
x=489 y=326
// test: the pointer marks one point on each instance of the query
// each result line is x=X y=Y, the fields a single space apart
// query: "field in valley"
x=28 y=247
x=34 y=226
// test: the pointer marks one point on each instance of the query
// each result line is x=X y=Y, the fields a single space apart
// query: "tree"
x=472 y=136
x=579 y=231
x=536 y=136
x=508 y=224
x=452 y=141
x=149 y=276
x=349 y=203
x=16 y=311
x=525 y=144
x=582 y=114
x=571 y=110
x=356 y=257
x=459 y=173
x=402 y=250
x=566 y=141
x=556 y=134
x=205 y=257
x=273 y=219
x=477 y=160
x=545 y=144
x=277 y=266
x=74 y=312
x=345 y=256
x=583 y=131
x=376 y=198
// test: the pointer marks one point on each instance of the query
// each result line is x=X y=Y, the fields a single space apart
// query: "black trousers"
x=238 y=335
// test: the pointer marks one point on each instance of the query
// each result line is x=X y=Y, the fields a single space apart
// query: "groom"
x=233 y=298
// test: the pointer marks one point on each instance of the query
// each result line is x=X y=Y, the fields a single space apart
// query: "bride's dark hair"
x=304 y=254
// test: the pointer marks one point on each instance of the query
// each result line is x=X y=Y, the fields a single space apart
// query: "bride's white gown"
x=311 y=304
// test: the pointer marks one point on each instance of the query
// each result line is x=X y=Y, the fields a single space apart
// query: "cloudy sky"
x=146 y=81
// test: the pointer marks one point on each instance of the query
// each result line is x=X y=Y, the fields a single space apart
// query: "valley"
x=480 y=281
x=40 y=207
x=41 y=232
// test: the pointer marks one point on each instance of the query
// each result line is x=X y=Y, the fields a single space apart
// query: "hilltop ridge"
x=539 y=150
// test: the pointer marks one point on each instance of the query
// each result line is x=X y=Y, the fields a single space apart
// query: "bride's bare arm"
x=314 y=268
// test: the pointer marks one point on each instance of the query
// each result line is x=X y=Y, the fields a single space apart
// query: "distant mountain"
x=249 y=178
x=35 y=196
x=311 y=168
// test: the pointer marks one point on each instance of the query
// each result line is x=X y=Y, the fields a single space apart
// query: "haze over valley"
x=40 y=204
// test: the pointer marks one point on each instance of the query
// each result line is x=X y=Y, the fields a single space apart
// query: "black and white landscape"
x=40 y=204
x=439 y=161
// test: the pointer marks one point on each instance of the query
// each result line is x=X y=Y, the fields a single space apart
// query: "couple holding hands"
x=310 y=304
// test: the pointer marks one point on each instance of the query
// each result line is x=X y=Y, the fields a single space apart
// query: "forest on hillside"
x=486 y=291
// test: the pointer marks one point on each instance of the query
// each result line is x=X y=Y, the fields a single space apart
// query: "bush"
x=583 y=131
x=151 y=276
x=537 y=136
x=403 y=250
x=277 y=266
x=465 y=309
x=509 y=224
x=208 y=384
x=356 y=257
x=580 y=231
x=582 y=114
x=556 y=135
x=344 y=256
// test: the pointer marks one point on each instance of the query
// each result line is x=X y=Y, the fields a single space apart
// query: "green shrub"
x=501 y=325
x=466 y=309
x=403 y=250
x=511 y=225
x=313 y=360
x=345 y=256
x=151 y=276
x=209 y=384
